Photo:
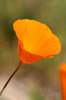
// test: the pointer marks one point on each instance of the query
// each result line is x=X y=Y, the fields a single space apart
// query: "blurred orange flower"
x=62 y=73
x=35 y=41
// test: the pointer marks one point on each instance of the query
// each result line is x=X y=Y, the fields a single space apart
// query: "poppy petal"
x=62 y=74
x=37 y=38
x=26 y=56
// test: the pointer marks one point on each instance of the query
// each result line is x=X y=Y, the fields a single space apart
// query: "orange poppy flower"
x=35 y=40
x=62 y=73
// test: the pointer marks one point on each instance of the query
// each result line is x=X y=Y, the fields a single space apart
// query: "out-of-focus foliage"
x=50 y=12
x=36 y=95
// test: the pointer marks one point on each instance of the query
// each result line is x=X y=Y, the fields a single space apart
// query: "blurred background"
x=38 y=81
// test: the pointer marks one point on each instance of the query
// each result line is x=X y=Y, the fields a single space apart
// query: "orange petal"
x=62 y=73
x=37 y=38
x=26 y=56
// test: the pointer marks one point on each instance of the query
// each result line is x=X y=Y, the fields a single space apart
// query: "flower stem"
x=10 y=78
